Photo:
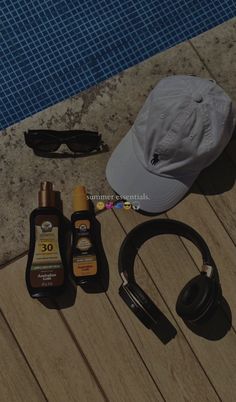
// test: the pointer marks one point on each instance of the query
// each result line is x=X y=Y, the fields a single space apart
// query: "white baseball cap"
x=183 y=126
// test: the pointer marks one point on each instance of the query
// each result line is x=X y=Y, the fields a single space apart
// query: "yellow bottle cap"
x=80 y=201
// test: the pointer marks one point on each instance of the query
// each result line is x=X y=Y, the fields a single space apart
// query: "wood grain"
x=217 y=182
x=231 y=148
x=171 y=266
x=198 y=213
x=53 y=356
x=98 y=350
x=174 y=366
x=17 y=383
x=109 y=350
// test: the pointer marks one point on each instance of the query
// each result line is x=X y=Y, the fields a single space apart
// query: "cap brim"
x=128 y=178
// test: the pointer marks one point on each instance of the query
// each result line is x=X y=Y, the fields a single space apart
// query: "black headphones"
x=199 y=297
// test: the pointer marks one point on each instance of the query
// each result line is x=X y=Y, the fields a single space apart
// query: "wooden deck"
x=97 y=350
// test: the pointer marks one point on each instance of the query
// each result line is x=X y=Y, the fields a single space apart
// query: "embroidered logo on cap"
x=155 y=159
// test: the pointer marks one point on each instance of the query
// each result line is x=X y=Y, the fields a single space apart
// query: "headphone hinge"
x=124 y=278
x=208 y=270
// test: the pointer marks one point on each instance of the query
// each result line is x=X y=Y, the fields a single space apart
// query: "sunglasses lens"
x=83 y=144
x=74 y=147
x=45 y=145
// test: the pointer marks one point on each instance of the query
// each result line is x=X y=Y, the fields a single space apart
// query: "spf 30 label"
x=46 y=247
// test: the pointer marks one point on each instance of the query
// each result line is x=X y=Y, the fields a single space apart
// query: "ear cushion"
x=198 y=298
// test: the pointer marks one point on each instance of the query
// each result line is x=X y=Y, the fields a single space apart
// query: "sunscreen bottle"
x=47 y=266
x=85 y=262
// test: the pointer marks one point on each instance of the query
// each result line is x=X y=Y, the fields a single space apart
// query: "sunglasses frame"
x=65 y=137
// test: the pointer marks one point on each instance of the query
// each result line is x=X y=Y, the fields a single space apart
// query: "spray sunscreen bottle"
x=47 y=266
x=84 y=249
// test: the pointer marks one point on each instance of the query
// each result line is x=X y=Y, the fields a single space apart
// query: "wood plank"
x=197 y=212
x=217 y=182
x=174 y=366
x=17 y=383
x=223 y=71
x=49 y=348
x=171 y=266
x=231 y=148
x=109 y=350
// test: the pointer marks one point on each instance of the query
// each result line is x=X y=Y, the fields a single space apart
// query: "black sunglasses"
x=46 y=142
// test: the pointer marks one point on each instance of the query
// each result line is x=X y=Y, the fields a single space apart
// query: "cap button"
x=198 y=98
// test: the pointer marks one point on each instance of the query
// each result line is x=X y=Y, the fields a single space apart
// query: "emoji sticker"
x=119 y=205
x=127 y=205
x=136 y=205
x=100 y=205
x=109 y=205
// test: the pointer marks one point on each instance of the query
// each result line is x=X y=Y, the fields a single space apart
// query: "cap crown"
x=183 y=126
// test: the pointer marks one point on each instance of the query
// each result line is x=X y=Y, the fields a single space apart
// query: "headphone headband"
x=146 y=230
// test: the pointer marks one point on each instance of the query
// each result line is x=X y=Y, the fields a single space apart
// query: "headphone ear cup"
x=198 y=298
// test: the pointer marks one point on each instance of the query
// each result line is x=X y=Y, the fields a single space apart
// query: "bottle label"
x=84 y=266
x=84 y=257
x=47 y=268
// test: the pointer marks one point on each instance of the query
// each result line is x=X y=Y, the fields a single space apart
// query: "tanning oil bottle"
x=47 y=265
